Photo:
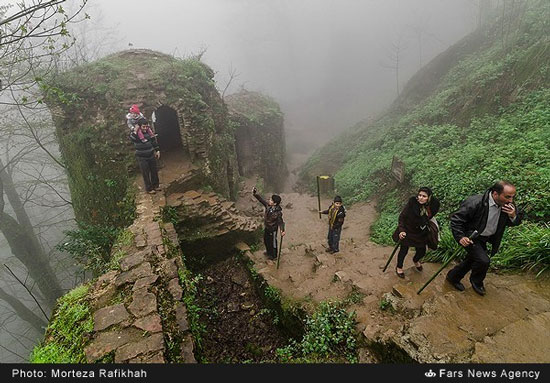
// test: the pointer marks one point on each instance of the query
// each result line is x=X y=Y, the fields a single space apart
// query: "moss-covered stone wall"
x=89 y=104
x=260 y=138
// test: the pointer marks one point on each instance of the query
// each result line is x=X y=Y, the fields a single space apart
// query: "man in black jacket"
x=273 y=219
x=147 y=153
x=489 y=214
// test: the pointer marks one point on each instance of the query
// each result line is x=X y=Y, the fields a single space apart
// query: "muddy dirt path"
x=510 y=324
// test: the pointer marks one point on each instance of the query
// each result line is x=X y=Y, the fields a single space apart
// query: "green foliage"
x=65 y=336
x=190 y=291
x=169 y=214
x=329 y=337
x=90 y=245
x=526 y=246
x=385 y=305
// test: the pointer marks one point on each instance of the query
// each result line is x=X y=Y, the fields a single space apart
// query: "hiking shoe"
x=478 y=289
x=457 y=285
x=151 y=192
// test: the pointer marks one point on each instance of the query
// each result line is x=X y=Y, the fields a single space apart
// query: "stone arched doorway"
x=166 y=124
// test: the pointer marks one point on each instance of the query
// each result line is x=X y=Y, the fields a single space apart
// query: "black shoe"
x=419 y=268
x=457 y=285
x=478 y=289
x=400 y=275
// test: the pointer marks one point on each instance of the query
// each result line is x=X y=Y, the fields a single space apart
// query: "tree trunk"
x=23 y=312
x=23 y=242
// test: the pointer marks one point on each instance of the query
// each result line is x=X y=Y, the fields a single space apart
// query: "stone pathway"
x=127 y=303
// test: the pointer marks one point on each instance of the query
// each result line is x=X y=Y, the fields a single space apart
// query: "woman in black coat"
x=413 y=228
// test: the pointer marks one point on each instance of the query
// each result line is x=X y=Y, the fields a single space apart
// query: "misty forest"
x=275 y=181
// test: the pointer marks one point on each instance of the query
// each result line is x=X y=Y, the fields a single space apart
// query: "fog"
x=325 y=61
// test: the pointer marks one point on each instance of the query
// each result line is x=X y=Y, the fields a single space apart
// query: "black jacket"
x=335 y=218
x=472 y=215
x=144 y=149
x=273 y=217
x=414 y=224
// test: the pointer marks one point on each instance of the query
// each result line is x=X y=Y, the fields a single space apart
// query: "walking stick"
x=392 y=254
x=318 y=197
x=472 y=236
x=279 y=255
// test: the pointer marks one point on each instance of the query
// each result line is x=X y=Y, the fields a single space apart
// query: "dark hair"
x=426 y=190
x=499 y=186
x=337 y=199
x=275 y=198
x=142 y=121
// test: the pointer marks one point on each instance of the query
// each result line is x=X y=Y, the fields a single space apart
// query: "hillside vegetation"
x=477 y=113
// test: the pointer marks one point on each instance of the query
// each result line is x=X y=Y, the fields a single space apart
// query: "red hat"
x=134 y=109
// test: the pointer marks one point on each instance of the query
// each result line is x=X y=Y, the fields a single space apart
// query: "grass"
x=66 y=333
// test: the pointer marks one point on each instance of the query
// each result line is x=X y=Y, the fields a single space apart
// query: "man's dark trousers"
x=148 y=166
x=270 y=242
x=334 y=238
x=476 y=260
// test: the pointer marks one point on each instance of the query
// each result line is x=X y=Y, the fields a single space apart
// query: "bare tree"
x=33 y=36
x=394 y=57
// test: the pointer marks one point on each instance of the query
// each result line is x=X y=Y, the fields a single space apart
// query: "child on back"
x=132 y=118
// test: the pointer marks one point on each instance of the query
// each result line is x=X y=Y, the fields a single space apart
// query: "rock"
x=131 y=261
x=181 y=317
x=169 y=269
x=108 y=316
x=396 y=291
x=108 y=341
x=175 y=289
x=241 y=246
x=145 y=282
x=342 y=276
x=128 y=351
x=143 y=303
x=247 y=306
x=186 y=350
x=132 y=275
x=232 y=307
x=149 y=323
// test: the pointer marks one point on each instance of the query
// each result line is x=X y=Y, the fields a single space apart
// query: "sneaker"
x=329 y=250
x=158 y=188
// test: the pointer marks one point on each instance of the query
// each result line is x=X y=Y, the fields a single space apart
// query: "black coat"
x=472 y=215
x=414 y=224
x=273 y=217
x=144 y=149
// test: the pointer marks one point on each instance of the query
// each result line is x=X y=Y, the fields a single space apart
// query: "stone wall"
x=138 y=313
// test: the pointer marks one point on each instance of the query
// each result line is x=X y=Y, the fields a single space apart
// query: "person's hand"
x=402 y=235
x=283 y=233
x=510 y=210
x=157 y=155
x=465 y=241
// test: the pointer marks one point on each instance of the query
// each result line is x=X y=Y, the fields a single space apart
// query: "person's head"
x=143 y=123
x=503 y=192
x=424 y=195
x=275 y=200
x=337 y=201
x=134 y=109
